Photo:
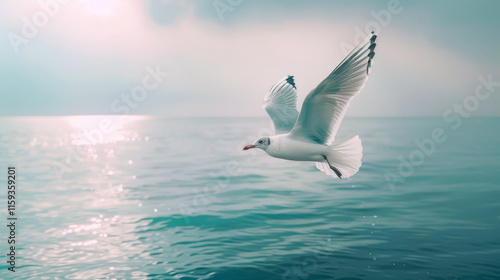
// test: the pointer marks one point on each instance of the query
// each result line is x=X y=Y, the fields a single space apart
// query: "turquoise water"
x=179 y=199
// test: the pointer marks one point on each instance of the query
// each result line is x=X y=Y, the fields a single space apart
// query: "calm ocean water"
x=179 y=199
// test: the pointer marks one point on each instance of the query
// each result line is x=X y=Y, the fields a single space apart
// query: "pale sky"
x=86 y=56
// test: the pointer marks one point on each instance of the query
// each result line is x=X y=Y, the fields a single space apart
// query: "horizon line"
x=213 y=117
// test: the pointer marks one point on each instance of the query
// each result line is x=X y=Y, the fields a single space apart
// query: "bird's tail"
x=345 y=158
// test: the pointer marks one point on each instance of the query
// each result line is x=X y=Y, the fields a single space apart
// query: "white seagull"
x=309 y=136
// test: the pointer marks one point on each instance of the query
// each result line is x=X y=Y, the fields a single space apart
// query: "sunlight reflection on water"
x=104 y=129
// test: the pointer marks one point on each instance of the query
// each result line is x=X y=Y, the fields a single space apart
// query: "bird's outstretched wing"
x=280 y=104
x=325 y=106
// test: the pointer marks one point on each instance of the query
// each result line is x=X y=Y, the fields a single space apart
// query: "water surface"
x=179 y=199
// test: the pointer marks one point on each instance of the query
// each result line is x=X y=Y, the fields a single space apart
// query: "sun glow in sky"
x=102 y=7
x=92 y=52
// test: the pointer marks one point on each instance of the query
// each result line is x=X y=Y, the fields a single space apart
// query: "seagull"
x=309 y=136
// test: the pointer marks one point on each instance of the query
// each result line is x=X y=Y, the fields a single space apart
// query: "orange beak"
x=248 y=147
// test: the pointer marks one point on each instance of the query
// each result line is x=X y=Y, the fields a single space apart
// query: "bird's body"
x=284 y=147
x=309 y=136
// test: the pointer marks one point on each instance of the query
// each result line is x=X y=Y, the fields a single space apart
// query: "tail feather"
x=346 y=157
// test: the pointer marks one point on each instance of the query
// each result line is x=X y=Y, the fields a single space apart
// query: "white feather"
x=280 y=104
x=325 y=107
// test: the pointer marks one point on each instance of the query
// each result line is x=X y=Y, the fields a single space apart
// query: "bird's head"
x=261 y=143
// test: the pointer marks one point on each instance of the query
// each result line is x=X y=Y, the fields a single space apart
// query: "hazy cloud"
x=93 y=51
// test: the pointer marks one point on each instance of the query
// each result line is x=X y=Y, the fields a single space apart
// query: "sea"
x=142 y=197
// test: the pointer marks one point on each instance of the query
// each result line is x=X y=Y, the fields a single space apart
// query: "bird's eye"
x=261 y=141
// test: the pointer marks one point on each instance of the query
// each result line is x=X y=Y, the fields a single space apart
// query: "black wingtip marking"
x=371 y=54
x=291 y=81
x=373 y=38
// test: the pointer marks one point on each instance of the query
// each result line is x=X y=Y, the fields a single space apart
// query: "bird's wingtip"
x=371 y=54
x=291 y=81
